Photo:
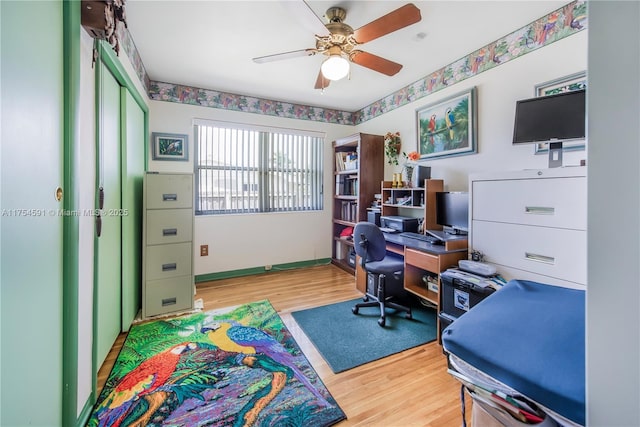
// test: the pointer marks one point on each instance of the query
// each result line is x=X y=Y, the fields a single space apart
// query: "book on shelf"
x=347 y=185
x=349 y=211
x=346 y=161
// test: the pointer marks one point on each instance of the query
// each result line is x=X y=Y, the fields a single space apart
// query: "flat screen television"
x=452 y=211
x=559 y=118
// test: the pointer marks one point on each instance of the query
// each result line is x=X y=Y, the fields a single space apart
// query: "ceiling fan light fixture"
x=335 y=67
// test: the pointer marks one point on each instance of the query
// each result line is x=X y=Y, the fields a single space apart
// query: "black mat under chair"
x=385 y=272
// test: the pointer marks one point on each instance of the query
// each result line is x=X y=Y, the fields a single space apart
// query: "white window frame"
x=241 y=168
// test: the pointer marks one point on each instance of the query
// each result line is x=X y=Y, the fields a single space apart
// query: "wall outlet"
x=268 y=267
x=204 y=250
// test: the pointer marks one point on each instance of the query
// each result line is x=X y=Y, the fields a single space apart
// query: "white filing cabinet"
x=168 y=243
x=532 y=224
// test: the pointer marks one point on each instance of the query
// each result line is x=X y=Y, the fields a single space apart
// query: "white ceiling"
x=210 y=44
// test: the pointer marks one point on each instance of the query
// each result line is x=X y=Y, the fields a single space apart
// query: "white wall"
x=240 y=241
x=497 y=92
x=613 y=295
x=246 y=241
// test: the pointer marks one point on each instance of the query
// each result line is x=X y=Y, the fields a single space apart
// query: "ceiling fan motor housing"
x=341 y=33
x=336 y=14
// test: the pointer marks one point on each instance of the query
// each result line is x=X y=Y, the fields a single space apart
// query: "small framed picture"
x=169 y=146
x=575 y=81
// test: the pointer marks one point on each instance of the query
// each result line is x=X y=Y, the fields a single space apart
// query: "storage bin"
x=458 y=296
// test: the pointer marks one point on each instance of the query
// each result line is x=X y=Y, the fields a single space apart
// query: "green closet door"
x=108 y=246
x=132 y=174
x=31 y=266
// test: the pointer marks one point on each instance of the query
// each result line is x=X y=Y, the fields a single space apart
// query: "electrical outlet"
x=268 y=267
x=204 y=250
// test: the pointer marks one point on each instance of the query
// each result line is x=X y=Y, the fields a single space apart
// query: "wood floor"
x=411 y=388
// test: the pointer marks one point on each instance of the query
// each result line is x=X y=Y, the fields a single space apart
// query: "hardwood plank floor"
x=411 y=388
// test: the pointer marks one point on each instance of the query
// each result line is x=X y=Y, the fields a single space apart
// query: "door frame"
x=70 y=224
x=106 y=55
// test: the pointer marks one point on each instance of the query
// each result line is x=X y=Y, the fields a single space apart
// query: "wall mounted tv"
x=559 y=117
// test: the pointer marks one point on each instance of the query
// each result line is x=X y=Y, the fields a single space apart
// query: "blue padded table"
x=530 y=337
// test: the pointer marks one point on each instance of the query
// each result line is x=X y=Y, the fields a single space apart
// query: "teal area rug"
x=237 y=366
x=346 y=340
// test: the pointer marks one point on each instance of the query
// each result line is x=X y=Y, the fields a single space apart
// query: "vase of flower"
x=408 y=175
x=408 y=167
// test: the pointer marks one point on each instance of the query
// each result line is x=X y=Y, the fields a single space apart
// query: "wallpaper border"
x=563 y=22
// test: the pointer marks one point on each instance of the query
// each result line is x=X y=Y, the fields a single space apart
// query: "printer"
x=399 y=223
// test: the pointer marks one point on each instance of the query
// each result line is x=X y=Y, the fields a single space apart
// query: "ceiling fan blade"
x=392 y=21
x=285 y=55
x=321 y=81
x=305 y=15
x=375 y=62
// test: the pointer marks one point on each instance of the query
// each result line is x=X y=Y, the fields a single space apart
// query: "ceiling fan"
x=339 y=42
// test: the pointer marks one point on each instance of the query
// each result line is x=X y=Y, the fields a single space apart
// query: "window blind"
x=250 y=169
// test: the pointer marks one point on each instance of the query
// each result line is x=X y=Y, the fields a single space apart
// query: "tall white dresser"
x=532 y=224
x=168 y=243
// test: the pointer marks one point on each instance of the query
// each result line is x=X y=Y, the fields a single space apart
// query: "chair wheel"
x=365 y=298
x=408 y=316
x=381 y=321
x=355 y=310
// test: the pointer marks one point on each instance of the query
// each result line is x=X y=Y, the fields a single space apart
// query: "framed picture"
x=448 y=127
x=169 y=146
x=569 y=83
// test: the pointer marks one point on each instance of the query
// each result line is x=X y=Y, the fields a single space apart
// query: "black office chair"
x=371 y=247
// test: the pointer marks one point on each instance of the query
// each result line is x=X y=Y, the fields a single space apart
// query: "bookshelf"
x=358 y=170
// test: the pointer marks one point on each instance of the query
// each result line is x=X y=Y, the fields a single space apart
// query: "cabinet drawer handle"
x=539 y=210
x=540 y=258
x=169 y=267
x=170 y=232
x=169 y=197
x=168 y=301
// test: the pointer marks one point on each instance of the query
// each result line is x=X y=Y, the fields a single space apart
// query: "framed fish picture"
x=448 y=127
x=169 y=146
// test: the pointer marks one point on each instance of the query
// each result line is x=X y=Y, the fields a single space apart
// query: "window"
x=248 y=169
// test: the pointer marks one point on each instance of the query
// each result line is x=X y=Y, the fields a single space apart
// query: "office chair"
x=371 y=247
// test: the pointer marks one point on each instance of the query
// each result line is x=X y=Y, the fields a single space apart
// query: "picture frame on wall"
x=169 y=146
x=448 y=127
x=576 y=81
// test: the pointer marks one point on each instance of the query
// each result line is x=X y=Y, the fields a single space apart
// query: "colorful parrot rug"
x=237 y=366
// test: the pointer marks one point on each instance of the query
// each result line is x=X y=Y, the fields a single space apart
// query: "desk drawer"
x=553 y=252
x=165 y=261
x=168 y=295
x=169 y=226
x=548 y=202
x=167 y=191
x=422 y=260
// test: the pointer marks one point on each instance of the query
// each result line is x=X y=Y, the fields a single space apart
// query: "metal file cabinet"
x=532 y=224
x=168 y=243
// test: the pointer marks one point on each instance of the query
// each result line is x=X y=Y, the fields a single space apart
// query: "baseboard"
x=86 y=411
x=259 y=270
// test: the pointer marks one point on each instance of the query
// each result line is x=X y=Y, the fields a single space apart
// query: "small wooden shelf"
x=402 y=206
x=417 y=201
x=343 y=222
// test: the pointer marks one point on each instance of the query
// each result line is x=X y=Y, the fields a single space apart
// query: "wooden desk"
x=420 y=258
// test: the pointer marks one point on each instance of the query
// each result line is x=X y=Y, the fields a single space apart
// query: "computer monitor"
x=554 y=119
x=452 y=211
